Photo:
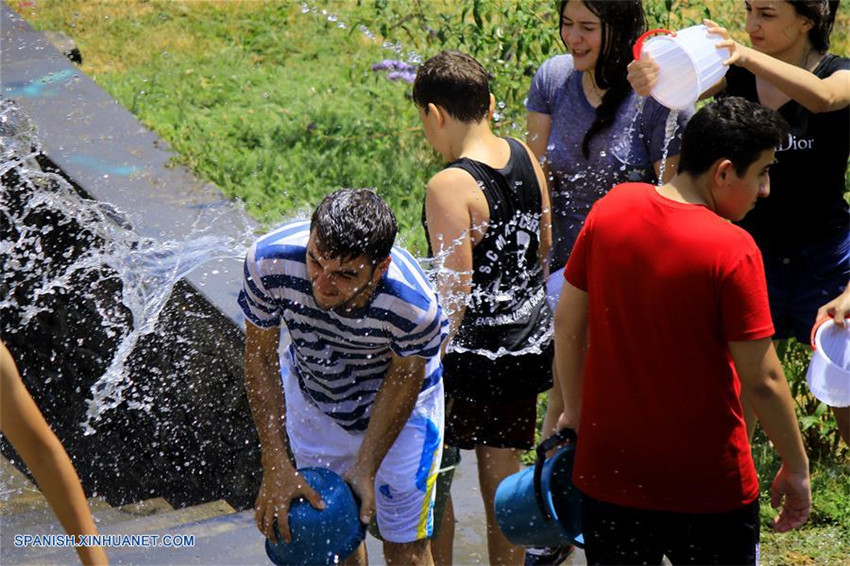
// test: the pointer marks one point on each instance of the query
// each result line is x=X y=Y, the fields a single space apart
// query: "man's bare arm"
x=393 y=406
x=449 y=198
x=763 y=382
x=281 y=484
x=571 y=328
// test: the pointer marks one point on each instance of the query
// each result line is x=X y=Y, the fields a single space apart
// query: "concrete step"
x=228 y=539
x=20 y=496
x=17 y=492
x=148 y=507
x=163 y=522
x=25 y=513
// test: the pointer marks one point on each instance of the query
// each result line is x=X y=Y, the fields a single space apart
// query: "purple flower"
x=393 y=65
x=407 y=77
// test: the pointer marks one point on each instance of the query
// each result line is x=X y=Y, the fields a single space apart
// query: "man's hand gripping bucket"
x=320 y=536
x=539 y=506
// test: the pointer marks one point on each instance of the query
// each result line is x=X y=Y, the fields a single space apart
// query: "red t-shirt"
x=669 y=285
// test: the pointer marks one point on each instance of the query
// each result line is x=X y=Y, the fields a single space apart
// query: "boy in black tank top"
x=487 y=220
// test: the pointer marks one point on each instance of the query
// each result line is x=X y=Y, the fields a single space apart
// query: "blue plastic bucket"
x=539 y=506
x=325 y=536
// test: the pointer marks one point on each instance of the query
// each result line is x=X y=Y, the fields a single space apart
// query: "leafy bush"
x=817 y=423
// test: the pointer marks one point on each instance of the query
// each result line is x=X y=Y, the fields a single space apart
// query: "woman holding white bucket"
x=803 y=229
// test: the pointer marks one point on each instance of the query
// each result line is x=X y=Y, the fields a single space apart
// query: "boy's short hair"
x=730 y=128
x=456 y=82
x=352 y=222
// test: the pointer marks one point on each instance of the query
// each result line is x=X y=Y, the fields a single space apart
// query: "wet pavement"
x=470 y=546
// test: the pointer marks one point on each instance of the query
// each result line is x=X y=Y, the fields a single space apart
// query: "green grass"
x=825 y=539
x=279 y=107
x=244 y=96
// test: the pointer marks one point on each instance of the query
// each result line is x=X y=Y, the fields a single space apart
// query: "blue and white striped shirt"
x=341 y=359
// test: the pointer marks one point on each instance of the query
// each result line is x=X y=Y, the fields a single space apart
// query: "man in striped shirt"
x=361 y=391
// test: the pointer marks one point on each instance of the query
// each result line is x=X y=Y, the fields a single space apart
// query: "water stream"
x=670 y=127
x=109 y=251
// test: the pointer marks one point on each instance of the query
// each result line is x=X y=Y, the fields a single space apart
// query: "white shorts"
x=406 y=480
x=554 y=285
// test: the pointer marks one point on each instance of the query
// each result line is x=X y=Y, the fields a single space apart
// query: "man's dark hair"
x=731 y=128
x=455 y=81
x=353 y=222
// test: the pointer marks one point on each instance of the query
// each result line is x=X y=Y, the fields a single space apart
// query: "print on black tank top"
x=507 y=310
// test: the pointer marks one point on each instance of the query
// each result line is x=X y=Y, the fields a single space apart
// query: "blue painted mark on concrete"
x=94 y=163
x=37 y=88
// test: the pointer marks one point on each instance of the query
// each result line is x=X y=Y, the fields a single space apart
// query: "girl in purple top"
x=588 y=127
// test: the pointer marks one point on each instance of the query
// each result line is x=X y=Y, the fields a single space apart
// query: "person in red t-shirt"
x=662 y=321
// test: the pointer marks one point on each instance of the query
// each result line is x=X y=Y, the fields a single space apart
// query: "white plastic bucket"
x=829 y=371
x=690 y=63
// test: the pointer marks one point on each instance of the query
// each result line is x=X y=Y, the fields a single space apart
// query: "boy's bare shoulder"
x=454 y=180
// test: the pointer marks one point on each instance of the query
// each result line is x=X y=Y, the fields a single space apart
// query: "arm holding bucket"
x=838 y=308
x=571 y=325
x=23 y=424
x=281 y=483
x=643 y=74
x=393 y=406
x=815 y=94
x=763 y=381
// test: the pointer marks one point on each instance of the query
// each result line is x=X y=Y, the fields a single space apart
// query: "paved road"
x=470 y=546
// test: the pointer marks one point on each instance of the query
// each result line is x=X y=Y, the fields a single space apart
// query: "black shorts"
x=496 y=423
x=476 y=378
x=624 y=535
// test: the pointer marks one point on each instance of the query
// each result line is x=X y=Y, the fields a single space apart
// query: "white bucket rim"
x=699 y=87
x=691 y=97
x=822 y=367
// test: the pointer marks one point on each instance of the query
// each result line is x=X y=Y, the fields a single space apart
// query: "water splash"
x=410 y=58
x=442 y=277
x=623 y=146
x=108 y=253
x=670 y=128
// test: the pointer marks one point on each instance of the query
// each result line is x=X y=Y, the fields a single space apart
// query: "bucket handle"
x=563 y=436
x=817 y=325
x=639 y=43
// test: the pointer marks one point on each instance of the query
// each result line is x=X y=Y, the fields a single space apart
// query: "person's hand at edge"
x=838 y=308
x=363 y=485
x=794 y=488
x=737 y=53
x=279 y=488
x=643 y=75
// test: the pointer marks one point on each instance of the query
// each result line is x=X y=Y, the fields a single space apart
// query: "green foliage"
x=825 y=539
x=496 y=32
x=817 y=423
